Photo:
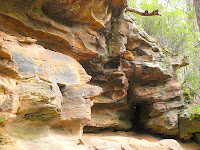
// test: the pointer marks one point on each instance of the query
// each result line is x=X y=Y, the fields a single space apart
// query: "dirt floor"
x=102 y=141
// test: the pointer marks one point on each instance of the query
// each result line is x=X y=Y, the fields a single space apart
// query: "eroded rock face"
x=189 y=124
x=152 y=81
x=135 y=63
x=37 y=88
x=44 y=86
x=73 y=27
x=188 y=127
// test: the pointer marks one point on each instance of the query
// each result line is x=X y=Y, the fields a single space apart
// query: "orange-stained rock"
x=159 y=92
x=135 y=63
x=159 y=108
x=76 y=102
x=113 y=117
x=31 y=60
x=128 y=56
x=127 y=141
x=122 y=73
x=32 y=80
x=166 y=124
x=62 y=26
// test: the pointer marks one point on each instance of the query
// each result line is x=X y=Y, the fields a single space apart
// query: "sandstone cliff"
x=71 y=65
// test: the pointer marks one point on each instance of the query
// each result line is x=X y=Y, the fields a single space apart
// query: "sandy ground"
x=140 y=140
x=101 y=141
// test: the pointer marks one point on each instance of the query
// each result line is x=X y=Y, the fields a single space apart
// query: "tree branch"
x=146 y=13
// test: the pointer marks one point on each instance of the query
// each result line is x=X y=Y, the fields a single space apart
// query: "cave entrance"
x=136 y=123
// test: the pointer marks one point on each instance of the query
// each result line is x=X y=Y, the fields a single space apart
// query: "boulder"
x=189 y=123
x=160 y=92
x=110 y=116
x=166 y=124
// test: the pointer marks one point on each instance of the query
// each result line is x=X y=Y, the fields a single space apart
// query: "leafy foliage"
x=176 y=30
x=197 y=108
x=196 y=111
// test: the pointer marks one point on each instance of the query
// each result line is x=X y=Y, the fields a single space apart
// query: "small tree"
x=197 y=10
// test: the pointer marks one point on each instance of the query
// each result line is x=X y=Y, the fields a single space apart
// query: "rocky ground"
x=105 y=140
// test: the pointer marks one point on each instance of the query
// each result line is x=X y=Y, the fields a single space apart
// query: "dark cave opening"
x=136 y=118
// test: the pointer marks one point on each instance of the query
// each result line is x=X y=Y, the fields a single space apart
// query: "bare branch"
x=146 y=13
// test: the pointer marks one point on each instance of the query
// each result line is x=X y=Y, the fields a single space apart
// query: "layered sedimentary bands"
x=73 y=65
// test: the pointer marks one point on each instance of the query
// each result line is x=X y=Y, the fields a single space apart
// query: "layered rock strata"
x=46 y=48
x=148 y=81
x=41 y=89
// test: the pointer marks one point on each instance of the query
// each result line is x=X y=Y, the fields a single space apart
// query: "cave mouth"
x=136 y=119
